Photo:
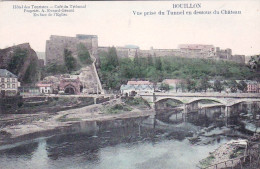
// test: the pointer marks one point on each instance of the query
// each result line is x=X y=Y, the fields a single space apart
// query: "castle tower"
x=57 y=44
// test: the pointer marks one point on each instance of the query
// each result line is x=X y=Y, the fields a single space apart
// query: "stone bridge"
x=191 y=100
x=227 y=99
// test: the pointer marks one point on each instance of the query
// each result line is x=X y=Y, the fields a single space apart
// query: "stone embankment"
x=239 y=153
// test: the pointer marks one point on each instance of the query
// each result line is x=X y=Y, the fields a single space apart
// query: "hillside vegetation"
x=22 y=61
x=71 y=64
x=115 y=71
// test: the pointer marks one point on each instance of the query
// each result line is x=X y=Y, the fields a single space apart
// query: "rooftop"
x=44 y=85
x=139 y=83
x=172 y=81
x=136 y=87
x=6 y=73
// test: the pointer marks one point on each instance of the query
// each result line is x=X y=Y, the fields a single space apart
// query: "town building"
x=139 y=82
x=45 y=88
x=252 y=86
x=29 y=91
x=8 y=83
x=136 y=87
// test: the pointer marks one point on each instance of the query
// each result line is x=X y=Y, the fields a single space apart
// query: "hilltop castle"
x=56 y=45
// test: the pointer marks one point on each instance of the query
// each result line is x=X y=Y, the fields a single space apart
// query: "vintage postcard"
x=130 y=84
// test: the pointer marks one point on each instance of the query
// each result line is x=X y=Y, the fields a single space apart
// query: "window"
x=3 y=86
x=2 y=79
x=8 y=85
x=8 y=79
x=13 y=80
x=13 y=85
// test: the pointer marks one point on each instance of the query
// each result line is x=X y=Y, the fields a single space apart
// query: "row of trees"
x=218 y=86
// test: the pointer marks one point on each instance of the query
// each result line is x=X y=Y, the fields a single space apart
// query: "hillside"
x=22 y=61
x=156 y=69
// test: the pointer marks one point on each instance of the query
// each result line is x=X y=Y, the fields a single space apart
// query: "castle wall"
x=103 y=49
x=237 y=58
x=122 y=52
x=224 y=53
x=145 y=53
x=57 y=44
x=166 y=52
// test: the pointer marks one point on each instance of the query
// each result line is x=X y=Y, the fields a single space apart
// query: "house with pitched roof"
x=8 y=83
x=137 y=87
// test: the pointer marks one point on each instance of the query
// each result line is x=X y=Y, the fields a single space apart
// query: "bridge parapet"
x=188 y=98
x=212 y=94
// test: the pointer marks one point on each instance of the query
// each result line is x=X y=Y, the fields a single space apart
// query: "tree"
x=136 y=59
x=204 y=84
x=191 y=85
x=112 y=57
x=150 y=60
x=218 y=86
x=254 y=62
x=83 y=54
x=70 y=61
x=242 y=86
x=158 y=63
x=165 y=86
x=177 y=86
x=183 y=86
x=232 y=84
x=53 y=68
x=31 y=73
x=17 y=60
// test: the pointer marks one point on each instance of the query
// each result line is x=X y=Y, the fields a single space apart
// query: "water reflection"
x=25 y=150
x=163 y=141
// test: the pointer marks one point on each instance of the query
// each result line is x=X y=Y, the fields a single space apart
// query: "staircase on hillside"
x=90 y=79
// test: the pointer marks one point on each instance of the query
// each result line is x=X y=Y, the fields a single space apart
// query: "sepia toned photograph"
x=130 y=85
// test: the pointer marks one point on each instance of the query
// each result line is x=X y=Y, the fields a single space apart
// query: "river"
x=152 y=142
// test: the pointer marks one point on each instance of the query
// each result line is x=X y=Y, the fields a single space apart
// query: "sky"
x=116 y=25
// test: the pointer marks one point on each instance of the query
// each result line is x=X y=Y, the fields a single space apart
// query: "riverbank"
x=234 y=154
x=45 y=124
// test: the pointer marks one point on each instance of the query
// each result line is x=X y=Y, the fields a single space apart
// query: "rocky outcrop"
x=21 y=60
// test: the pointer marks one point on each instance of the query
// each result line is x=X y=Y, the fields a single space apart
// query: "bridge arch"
x=169 y=98
x=218 y=100
x=234 y=102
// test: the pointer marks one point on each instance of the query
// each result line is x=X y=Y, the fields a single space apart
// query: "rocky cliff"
x=21 y=60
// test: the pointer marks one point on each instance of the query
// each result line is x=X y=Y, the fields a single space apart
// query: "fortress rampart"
x=187 y=51
x=57 y=44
